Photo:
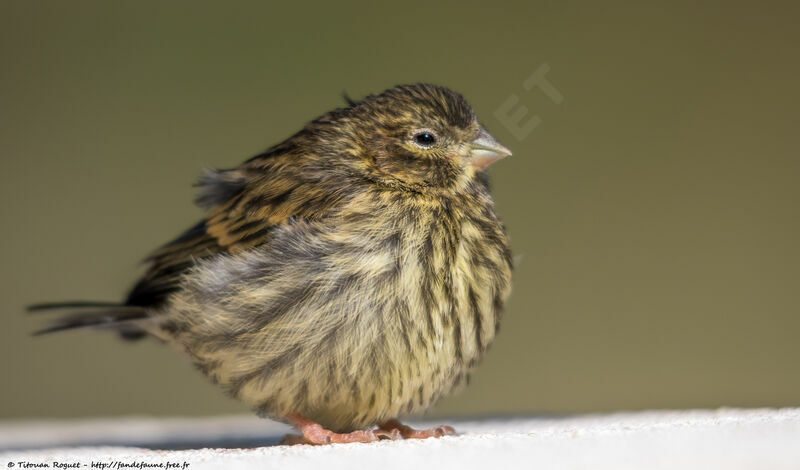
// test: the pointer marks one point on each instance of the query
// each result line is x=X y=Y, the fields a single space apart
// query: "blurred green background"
x=654 y=211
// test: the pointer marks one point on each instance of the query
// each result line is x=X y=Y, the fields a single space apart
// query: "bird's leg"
x=410 y=433
x=314 y=433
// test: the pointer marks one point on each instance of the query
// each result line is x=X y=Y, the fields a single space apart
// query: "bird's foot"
x=407 y=432
x=315 y=434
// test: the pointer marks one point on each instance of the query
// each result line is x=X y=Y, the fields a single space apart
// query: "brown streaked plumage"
x=352 y=274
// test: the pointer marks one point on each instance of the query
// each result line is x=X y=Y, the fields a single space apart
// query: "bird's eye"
x=425 y=139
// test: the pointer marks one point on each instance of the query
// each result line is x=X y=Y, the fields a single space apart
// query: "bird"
x=346 y=277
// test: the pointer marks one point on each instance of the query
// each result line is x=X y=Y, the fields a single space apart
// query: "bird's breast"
x=453 y=276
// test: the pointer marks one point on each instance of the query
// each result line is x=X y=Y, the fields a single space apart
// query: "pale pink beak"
x=485 y=150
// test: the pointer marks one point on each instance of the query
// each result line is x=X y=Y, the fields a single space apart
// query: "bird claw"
x=410 y=433
x=388 y=435
x=294 y=440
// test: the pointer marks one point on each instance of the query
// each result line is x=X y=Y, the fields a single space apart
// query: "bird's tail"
x=102 y=315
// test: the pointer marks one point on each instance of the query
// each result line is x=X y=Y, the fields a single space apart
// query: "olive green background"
x=653 y=212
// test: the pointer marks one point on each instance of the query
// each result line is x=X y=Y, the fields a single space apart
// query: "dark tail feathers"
x=82 y=314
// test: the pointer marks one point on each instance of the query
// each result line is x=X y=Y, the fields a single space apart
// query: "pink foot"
x=408 y=432
x=315 y=434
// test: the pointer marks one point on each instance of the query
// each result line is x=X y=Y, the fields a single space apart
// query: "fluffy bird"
x=349 y=275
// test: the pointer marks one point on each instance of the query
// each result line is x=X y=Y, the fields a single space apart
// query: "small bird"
x=347 y=276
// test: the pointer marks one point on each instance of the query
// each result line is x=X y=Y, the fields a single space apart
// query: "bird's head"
x=419 y=136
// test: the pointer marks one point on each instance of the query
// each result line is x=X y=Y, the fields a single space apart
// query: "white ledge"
x=725 y=438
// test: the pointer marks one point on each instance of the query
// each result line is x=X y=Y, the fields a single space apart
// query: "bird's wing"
x=244 y=205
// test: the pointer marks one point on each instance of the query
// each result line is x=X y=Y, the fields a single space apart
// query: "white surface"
x=726 y=438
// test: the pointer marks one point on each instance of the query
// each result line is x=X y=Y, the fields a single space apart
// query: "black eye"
x=425 y=139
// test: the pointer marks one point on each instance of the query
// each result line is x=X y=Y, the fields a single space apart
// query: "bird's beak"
x=485 y=150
